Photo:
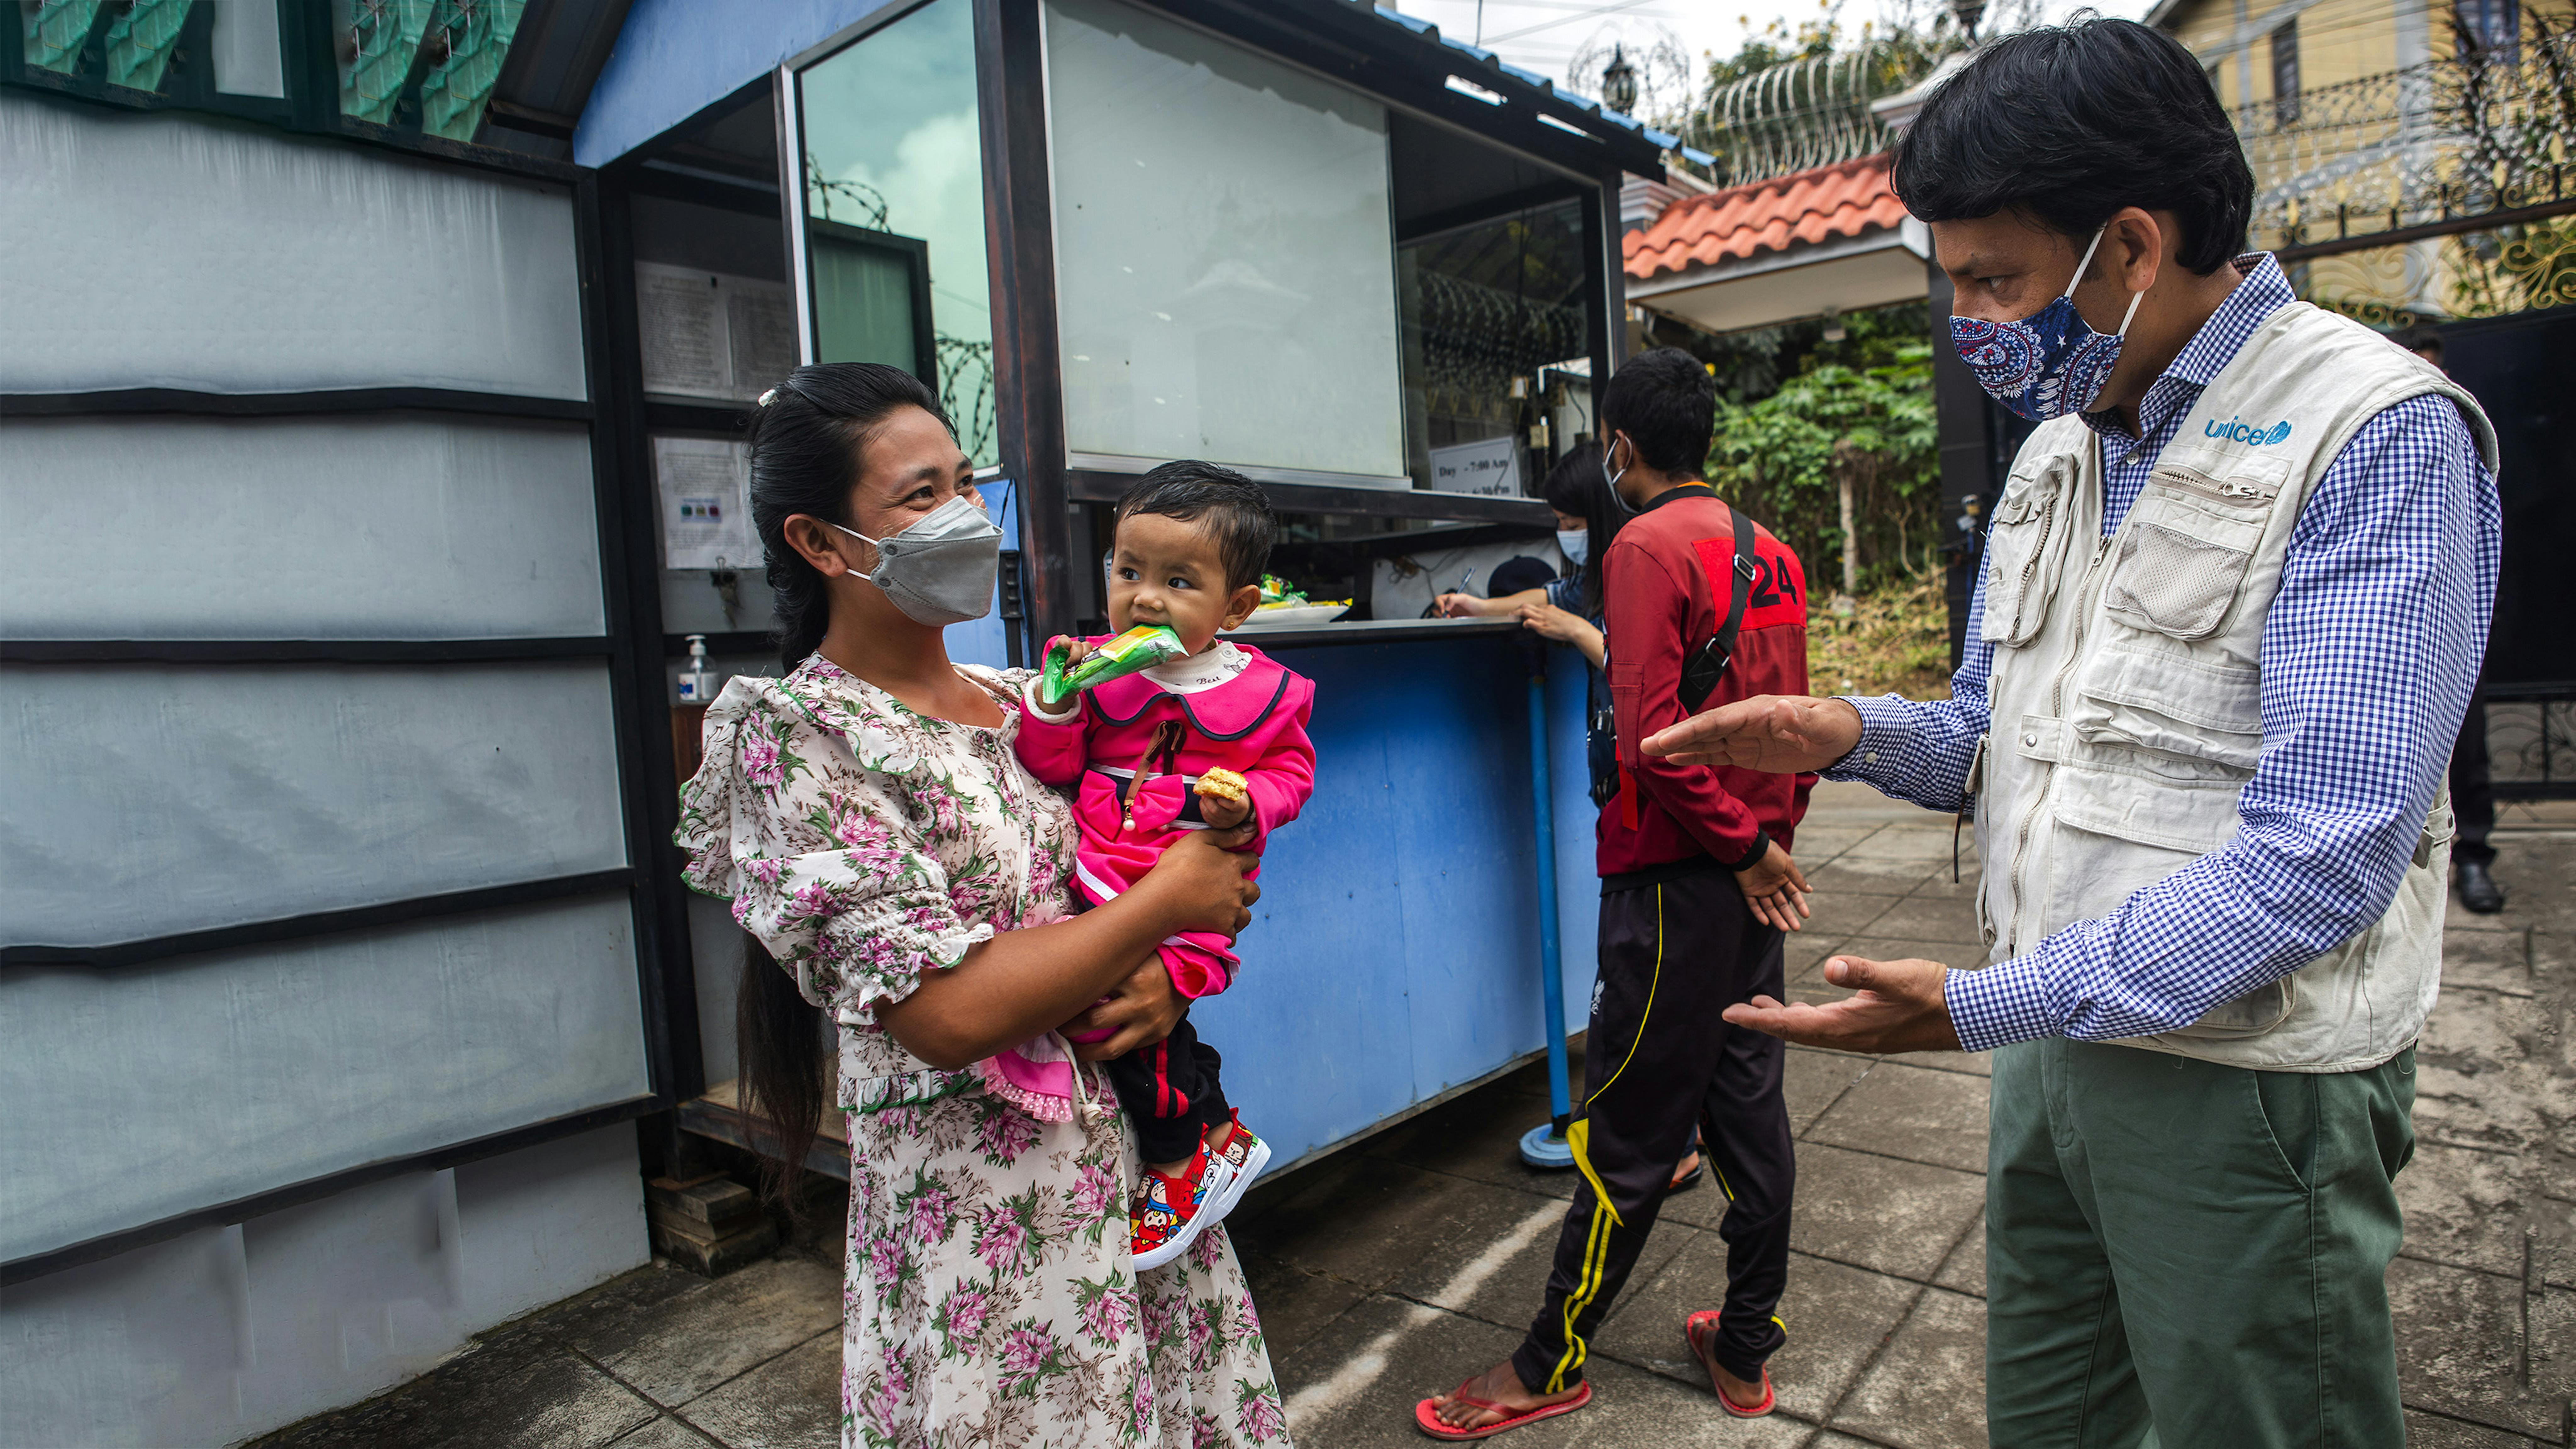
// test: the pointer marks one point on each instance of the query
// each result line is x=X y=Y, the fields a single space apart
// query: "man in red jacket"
x=1696 y=888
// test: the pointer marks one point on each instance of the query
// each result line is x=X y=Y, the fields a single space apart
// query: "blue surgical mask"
x=2049 y=363
x=1574 y=544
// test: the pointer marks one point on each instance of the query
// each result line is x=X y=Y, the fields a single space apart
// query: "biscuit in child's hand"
x=1220 y=784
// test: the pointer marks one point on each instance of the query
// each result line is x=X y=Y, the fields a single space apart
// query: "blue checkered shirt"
x=2368 y=657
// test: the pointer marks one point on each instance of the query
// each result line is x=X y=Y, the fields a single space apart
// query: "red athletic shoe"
x=1245 y=1153
x=1165 y=1215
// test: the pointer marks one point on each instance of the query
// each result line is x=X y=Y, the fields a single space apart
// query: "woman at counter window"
x=1568 y=610
x=1565 y=610
x=894 y=865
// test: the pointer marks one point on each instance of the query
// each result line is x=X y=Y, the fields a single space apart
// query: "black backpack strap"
x=1746 y=570
x=1702 y=671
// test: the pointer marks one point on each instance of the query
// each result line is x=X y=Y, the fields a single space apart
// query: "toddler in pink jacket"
x=1212 y=740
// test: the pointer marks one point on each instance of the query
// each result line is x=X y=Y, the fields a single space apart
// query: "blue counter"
x=1394 y=955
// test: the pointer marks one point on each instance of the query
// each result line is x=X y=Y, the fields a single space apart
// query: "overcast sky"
x=1543 y=35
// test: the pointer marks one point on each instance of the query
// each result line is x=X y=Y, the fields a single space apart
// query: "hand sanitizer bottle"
x=697 y=682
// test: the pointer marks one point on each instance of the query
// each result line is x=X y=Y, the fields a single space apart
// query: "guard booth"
x=1369 y=268
x=372 y=432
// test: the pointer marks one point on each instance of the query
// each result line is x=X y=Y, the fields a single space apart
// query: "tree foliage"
x=1796 y=414
x=1859 y=410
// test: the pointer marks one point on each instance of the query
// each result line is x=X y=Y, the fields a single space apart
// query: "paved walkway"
x=1398 y=1269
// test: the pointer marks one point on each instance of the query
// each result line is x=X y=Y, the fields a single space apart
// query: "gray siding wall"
x=144 y=800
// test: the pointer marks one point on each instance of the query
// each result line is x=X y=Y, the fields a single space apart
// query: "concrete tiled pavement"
x=1400 y=1267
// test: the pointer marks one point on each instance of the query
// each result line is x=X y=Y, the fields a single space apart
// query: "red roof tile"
x=1808 y=206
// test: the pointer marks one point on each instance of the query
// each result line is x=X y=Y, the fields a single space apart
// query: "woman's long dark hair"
x=806 y=442
x=1575 y=488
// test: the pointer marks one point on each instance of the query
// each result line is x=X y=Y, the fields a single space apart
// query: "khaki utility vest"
x=2127 y=684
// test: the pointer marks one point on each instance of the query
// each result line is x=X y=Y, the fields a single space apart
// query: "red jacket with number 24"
x=1665 y=588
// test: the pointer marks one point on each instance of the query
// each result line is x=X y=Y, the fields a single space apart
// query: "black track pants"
x=1171 y=1093
x=1660 y=1060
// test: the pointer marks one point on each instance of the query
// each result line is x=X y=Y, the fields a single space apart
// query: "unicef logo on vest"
x=2238 y=431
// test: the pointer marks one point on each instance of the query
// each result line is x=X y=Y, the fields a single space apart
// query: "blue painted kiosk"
x=1370 y=267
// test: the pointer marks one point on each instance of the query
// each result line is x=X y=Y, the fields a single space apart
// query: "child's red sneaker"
x=1164 y=1218
x=1245 y=1153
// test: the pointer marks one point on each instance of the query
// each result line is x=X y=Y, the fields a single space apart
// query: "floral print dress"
x=988 y=1298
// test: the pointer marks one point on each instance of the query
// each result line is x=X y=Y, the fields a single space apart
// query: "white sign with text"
x=1488 y=468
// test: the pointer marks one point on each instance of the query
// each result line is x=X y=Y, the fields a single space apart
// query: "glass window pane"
x=304 y=266
x=377 y=42
x=865 y=305
x=52 y=32
x=142 y=802
x=140 y=41
x=894 y=158
x=298 y=528
x=1224 y=251
x=247 y=62
x=468 y=43
x=1486 y=305
x=304 y=1058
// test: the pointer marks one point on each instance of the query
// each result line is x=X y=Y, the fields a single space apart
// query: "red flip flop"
x=1427 y=1419
x=1705 y=1322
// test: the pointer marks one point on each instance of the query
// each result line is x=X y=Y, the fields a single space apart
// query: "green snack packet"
x=1142 y=647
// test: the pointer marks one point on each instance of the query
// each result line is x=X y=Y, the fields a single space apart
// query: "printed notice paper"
x=1490 y=468
x=705 y=485
x=713 y=334
x=681 y=318
x=760 y=328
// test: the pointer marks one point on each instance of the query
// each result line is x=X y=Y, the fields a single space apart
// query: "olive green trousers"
x=2185 y=1254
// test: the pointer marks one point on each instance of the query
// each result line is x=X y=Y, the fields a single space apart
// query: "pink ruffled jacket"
x=1253 y=724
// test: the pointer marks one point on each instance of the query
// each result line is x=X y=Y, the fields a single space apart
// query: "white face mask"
x=1612 y=479
x=1574 y=544
x=941 y=570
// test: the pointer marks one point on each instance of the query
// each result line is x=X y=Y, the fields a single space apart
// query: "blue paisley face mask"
x=2049 y=363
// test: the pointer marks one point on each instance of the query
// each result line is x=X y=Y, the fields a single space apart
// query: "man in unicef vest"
x=2234 y=599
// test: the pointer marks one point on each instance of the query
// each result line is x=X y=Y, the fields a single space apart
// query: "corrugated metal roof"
x=556 y=55
x=1843 y=200
x=675 y=57
x=1515 y=77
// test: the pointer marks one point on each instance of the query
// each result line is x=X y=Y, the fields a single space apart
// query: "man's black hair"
x=1236 y=511
x=2421 y=338
x=1518 y=575
x=1666 y=402
x=2068 y=124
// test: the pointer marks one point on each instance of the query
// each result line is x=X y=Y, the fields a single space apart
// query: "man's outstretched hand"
x=1781 y=733
x=1896 y=1006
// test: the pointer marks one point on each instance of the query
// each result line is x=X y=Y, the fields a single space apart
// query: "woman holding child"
x=895 y=864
